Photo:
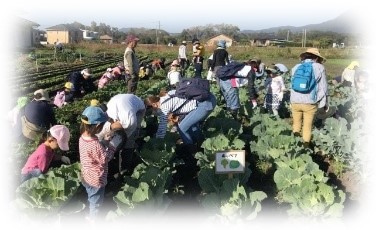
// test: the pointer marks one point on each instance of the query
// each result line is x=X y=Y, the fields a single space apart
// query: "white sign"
x=231 y=161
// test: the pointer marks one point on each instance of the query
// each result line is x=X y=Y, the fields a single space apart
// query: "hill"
x=345 y=23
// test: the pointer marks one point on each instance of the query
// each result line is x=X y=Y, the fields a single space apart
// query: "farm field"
x=282 y=178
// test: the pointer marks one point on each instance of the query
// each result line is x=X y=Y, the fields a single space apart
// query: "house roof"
x=62 y=27
x=26 y=22
x=230 y=38
x=105 y=37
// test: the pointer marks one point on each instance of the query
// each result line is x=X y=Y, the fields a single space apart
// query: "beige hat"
x=44 y=95
x=314 y=51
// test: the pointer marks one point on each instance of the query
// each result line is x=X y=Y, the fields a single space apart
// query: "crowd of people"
x=109 y=132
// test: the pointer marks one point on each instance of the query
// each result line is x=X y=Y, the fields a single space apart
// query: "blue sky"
x=174 y=16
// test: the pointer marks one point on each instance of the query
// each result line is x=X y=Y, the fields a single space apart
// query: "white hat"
x=282 y=67
x=62 y=135
x=44 y=95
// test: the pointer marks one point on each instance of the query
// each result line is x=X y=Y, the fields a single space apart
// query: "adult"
x=198 y=57
x=39 y=115
x=303 y=105
x=39 y=161
x=182 y=57
x=128 y=110
x=220 y=58
x=81 y=82
x=230 y=88
x=131 y=63
x=195 y=113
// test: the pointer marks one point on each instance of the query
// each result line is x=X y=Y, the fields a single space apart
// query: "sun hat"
x=62 y=135
x=94 y=115
x=271 y=70
x=68 y=85
x=184 y=42
x=94 y=102
x=43 y=95
x=313 y=51
x=281 y=67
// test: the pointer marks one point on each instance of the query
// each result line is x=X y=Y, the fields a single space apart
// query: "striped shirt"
x=94 y=158
x=170 y=105
x=322 y=87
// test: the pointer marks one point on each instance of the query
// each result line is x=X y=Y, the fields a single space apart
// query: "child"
x=94 y=156
x=274 y=86
x=105 y=79
x=64 y=96
x=39 y=161
x=174 y=75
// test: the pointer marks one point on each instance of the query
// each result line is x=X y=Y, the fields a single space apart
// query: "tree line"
x=322 y=39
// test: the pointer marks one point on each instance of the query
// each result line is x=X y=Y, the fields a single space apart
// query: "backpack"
x=303 y=80
x=229 y=70
x=193 y=88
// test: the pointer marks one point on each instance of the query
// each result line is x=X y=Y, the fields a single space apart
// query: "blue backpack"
x=193 y=88
x=303 y=80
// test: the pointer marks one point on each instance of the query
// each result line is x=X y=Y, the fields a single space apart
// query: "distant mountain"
x=345 y=23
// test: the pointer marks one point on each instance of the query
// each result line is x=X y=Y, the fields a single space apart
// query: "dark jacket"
x=40 y=113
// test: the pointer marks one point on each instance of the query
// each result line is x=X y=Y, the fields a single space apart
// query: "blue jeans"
x=95 y=198
x=31 y=174
x=189 y=128
x=231 y=94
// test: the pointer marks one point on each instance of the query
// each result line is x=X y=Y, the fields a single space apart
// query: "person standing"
x=94 y=156
x=182 y=57
x=220 y=58
x=303 y=105
x=198 y=57
x=275 y=87
x=131 y=63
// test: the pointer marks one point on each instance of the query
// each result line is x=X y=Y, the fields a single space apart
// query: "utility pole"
x=288 y=32
x=157 y=31
x=304 y=38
